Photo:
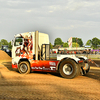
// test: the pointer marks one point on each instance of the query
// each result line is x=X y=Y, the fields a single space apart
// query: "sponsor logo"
x=52 y=68
x=43 y=68
x=52 y=63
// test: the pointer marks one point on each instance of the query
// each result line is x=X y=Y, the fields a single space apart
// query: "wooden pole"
x=36 y=44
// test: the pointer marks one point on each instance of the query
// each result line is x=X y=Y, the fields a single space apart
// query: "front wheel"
x=24 y=67
x=69 y=69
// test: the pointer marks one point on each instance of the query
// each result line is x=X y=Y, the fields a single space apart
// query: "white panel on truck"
x=43 y=39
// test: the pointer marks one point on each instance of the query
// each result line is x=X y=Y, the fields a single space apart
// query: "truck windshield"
x=18 y=41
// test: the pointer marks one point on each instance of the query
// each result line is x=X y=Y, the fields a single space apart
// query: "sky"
x=58 y=18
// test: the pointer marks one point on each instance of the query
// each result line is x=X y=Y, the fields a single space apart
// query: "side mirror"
x=12 y=42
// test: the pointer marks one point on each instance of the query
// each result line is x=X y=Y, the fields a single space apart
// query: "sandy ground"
x=47 y=86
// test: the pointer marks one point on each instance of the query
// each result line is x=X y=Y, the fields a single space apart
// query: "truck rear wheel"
x=24 y=67
x=69 y=69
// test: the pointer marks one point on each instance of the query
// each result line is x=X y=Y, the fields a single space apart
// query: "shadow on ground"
x=94 y=74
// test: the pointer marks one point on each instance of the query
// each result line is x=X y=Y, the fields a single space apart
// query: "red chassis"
x=41 y=65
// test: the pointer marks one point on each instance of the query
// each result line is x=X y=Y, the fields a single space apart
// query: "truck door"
x=17 y=45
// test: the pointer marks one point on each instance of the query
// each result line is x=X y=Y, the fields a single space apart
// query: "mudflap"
x=85 y=69
x=82 y=72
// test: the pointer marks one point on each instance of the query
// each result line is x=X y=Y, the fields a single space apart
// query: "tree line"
x=76 y=42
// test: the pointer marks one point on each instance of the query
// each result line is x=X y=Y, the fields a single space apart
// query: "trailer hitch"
x=93 y=62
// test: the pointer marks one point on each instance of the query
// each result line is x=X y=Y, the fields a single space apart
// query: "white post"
x=36 y=44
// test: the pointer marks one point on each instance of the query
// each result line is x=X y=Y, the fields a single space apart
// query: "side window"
x=18 y=41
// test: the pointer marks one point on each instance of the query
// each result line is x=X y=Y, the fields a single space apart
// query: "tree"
x=65 y=44
x=4 y=42
x=73 y=39
x=9 y=45
x=80 y=42
x=74 y=44
x=58 y=41
x=89 y=42
x=77 y=40
x=95 y=42
x=51 y=46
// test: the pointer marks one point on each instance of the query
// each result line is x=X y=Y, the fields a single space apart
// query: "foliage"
x=51 y=46
x=74 y=44
x=73 y=39
x=58 y=41
x=77 y=40
x=95 y=42
x=80 y=42
x=9 y=45
x=4 y=42
x=65 y=44
x=89 y=42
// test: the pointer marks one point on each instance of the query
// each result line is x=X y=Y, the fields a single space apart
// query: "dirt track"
x=47 y=86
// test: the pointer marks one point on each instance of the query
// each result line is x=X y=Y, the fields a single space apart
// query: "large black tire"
x=24 y=67
x=69 y=69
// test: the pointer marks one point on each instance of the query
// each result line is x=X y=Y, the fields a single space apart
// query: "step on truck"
x=31 y=52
